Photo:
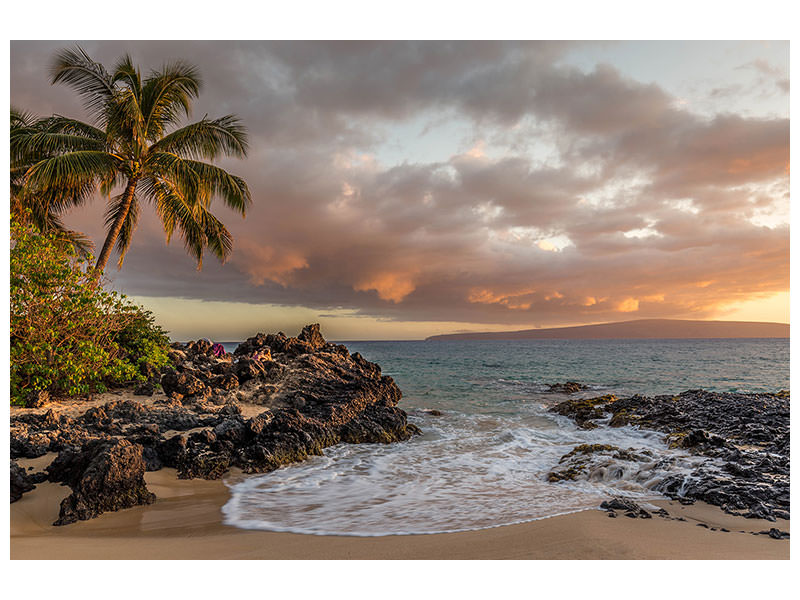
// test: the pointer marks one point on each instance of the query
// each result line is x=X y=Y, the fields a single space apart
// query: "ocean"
x=484 y=461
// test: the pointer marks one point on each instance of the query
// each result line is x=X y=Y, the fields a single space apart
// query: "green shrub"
x=69 y=336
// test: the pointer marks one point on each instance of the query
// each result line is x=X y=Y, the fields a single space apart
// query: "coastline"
x=185 y=522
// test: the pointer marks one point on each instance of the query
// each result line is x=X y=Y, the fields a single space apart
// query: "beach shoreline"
x=185 y=522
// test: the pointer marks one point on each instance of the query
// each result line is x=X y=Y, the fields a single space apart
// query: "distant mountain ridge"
x=639 y=329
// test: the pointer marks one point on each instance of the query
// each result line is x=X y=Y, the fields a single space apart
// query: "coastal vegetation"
x=68 y=337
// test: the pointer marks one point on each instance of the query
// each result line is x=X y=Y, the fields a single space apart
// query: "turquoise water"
x=465 y=375
x=485 y=461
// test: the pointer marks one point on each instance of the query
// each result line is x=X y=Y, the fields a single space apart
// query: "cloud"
x=618 y=201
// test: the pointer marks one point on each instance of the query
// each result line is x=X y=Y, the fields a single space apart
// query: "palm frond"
x=73 y=67
x=44 y=219
x=71 y=170
x=79 y=241
x=125 y=71
x=218 y=238
x=26 y=146
x=22 y=118
x=198 y=227
x=207 y=139
x=201 y=180
x=167 y=96
x=232 y=189
x=57 y=199
x=109 y=183
x=126 y=122
x=59 y=124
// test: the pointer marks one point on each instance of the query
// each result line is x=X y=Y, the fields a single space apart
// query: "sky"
x=405 y=189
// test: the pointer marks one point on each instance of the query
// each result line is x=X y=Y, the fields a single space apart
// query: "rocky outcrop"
x=315 y=399
x=313 y=394
x=104 y=476
x=744 y=436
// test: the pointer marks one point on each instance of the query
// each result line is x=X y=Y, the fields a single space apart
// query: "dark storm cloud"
x=645 y=212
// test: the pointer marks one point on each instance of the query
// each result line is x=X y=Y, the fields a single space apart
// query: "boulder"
x=312 y=336
x=104 y=476
x=184 y=384
x=247 y=369
x=225 y=382
x=628 y=506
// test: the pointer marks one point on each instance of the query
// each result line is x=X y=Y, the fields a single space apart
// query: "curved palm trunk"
x=113 y=233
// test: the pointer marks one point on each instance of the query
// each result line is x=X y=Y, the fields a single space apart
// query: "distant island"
x=639 y=329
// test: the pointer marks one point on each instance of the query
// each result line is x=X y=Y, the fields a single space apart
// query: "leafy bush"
x=68 y=335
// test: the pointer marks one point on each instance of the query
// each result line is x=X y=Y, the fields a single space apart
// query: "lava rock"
x=777 y=534
x=184 y=384
x=630 y=508
x=312 y=336
x=247 y=369
x=20 y=482
x=104 y=476
x=747 y=435
x=226 y=382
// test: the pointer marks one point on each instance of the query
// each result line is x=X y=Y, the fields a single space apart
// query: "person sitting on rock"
x=218 y=350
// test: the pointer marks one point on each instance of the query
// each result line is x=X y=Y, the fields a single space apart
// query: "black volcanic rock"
x=628 y=506
x=312 y=336
x=744 y=436
x=182 y=383
x=104 y=476
x=319 y=399
x=20 y=482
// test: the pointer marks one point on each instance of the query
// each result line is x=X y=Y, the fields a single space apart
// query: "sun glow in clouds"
x=481 y=181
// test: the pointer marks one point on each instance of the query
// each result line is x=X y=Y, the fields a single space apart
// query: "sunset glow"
x=402 y=190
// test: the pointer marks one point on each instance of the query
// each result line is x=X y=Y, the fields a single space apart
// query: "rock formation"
x=744 y=436
x=314 y=394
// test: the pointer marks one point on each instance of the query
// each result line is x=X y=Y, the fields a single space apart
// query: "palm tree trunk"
x=113 y=233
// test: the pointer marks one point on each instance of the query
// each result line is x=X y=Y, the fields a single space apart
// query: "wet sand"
x=186 y=523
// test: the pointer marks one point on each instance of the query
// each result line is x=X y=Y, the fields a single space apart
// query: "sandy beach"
x=186 y=523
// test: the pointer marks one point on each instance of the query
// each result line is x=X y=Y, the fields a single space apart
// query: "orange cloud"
x=628 y=305
x=511 y=301
x=393 y=287
x=265 y=263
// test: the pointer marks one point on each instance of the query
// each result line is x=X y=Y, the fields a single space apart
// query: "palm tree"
x=134 y=151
